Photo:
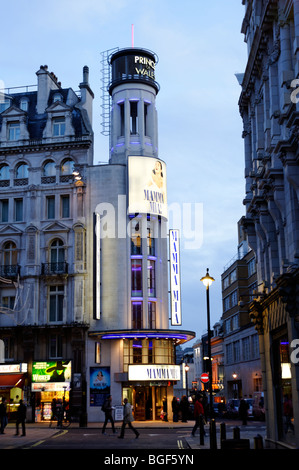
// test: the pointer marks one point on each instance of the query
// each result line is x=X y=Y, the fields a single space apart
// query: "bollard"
x=222 y=432
x=213 y=437
x=258 y=442
x=236 y=433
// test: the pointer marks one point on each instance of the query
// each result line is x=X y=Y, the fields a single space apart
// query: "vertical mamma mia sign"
x=175 y=277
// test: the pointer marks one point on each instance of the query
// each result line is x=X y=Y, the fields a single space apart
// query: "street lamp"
x=186 y=370
x=207 y=280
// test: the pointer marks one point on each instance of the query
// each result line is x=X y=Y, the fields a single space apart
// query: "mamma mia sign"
x=153 y=372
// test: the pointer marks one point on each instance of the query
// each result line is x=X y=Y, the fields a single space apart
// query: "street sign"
x=204 y=378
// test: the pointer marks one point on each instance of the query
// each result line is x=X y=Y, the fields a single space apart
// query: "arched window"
x=22 y=171
x=57 y=264
x=10 y=260
x=49 y=168
x=67 y=167
x=10 y=254
x=4 y=176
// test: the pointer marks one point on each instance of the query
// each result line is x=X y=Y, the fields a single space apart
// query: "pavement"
x=38 y=432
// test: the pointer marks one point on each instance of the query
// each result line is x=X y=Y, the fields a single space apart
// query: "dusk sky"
x=200 y=49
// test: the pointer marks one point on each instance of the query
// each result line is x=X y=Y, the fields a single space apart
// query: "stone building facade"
x=45 y=148
x=269 y=108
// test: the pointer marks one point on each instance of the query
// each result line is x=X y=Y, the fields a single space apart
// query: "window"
x=136 y=277
x=236 y=350
x=56 y=303
x=4 y=172
x=133 y=117
x=22 y=171
x=122 y=119
x=229 y=353
x=246 y=349
x=151 y=315
x=226 y=302
x=4 y=103
x=65 y=206
x=67 y=167
x=9 y=345
x=150 y=239
x=49 y=169
x=8 y=302
x=4 y=210
x=13 y=131
x=24 y=104
x=136 y=241
x=137 y=351
x=234 y=298
x=137 y=315
x=57 y=256
x=145 y=119
x=251 y=267
x=50 y=207
x=10 y=259
x=58 y=127
x=18 y=210
x=55 y=347
x=151 y=281
x=57 y=97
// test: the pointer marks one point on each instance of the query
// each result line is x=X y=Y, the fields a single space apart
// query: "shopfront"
x=149 y=388
x=13 y=386
x=50 y=381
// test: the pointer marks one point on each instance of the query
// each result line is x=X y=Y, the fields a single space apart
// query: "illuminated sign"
x=13 y=368
x=52 y=371
x=153 y=372
x=175 y=277
x=147 y=186
x=97 y=266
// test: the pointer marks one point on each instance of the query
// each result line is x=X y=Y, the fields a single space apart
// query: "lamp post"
x=186 y=370
x=207 y=280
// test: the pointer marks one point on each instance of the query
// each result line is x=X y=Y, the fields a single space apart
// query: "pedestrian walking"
x=243 y=411
x=107 y=408
x=3 y=415
x=127 y=420
x=184 y=406
x=165 y=413
x=21 y=418
x=198 y=416
x=175 y=409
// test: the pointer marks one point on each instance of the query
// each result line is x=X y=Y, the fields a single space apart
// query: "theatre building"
x=131 y=349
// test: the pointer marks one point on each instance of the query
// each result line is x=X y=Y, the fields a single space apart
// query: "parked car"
x=232 y=410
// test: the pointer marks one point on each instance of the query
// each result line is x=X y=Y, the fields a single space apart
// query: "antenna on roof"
x=132 y=34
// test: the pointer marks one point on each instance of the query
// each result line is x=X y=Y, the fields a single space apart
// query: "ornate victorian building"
x=270 y=112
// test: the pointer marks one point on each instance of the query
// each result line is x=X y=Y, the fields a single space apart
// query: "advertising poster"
x=52 y=371
x=147 y=186
x=99 y=385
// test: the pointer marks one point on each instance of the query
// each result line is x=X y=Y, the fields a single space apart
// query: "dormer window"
x=24 y=104
x=4 y=103
x=58 y=127
x=13 y=131
x=57 y=97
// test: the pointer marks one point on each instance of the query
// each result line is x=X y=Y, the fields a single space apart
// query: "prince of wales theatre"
x=131 y=349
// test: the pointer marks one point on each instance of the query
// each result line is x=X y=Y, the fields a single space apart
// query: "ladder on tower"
x=106 y=98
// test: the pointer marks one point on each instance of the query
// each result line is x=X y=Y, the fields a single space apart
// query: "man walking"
x=107 y=408
x=21 y=418
x=3 y=415
x=128 y=418
x=198 y=415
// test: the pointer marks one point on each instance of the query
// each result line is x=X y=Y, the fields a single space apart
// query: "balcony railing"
x=55 y=268
x=10 y=270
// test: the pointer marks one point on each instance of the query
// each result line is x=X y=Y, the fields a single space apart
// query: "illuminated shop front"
x=13 y=386
x=148 y=370
x=50 y=380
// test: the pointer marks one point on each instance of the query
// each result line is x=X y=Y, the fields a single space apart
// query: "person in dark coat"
x=3 y=415
x=107 y=408
x=165 y=413
x=243 y=410
x=175 y=409
x=184 y=406
x=198 y=416
x=21 y=418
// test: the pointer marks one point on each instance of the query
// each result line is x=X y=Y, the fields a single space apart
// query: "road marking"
x=61 y=433
x=180 y=444
x=37 y=443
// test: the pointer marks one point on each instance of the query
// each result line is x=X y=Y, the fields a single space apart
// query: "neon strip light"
x=143 y=335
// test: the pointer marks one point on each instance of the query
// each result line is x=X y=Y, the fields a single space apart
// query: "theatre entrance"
x=147 y=401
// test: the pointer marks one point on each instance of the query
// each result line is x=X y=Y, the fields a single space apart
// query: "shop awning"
x=11 y=380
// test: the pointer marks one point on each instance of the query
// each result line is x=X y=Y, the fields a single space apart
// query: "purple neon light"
x=143 y=335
